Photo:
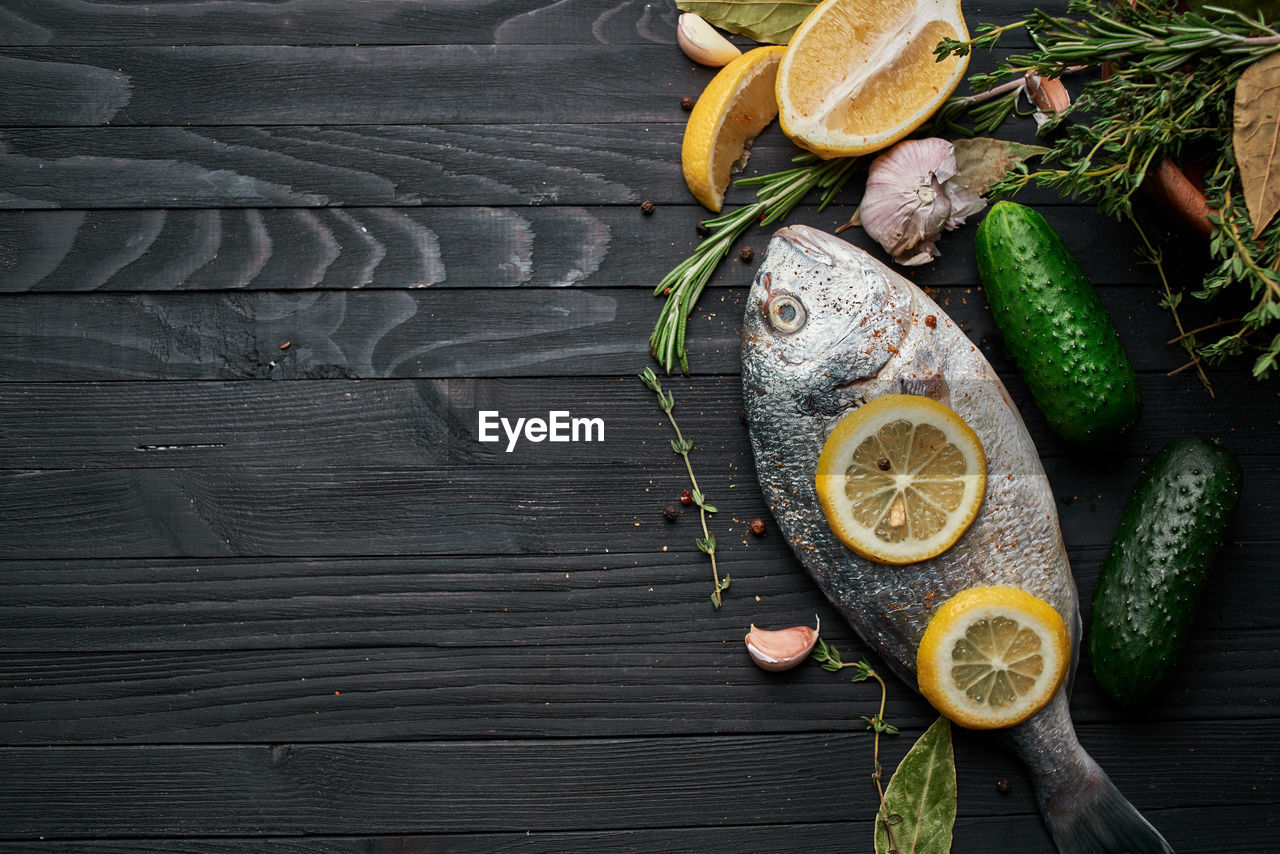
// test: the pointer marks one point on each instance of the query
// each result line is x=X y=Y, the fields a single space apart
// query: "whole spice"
x=931 y=321
x=913 y=194
x=702 y=228
x=686 y=103
x=686 y=497
x=702 y=43
x=1002 y=786
x=782 y=649
x=670 y=513
x=757 y=527
x=646 y=207
x=745 y=254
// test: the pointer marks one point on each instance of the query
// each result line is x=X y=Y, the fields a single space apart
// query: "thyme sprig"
x=682 y=446
x=777 y=194
x=1170 y=92
x=829 y=658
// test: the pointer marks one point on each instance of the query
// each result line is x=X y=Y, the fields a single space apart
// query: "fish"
x=827 y=328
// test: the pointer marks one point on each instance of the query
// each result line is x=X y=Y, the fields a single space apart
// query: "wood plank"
x=369 y=165
x=325 y=22
x=1191 y=829
x=427 y=334
x=607 y=600
x=411 y=247
x=659 y=687
x=494 y=510
x=575 y=784
x=440 y=84
x=435 y=423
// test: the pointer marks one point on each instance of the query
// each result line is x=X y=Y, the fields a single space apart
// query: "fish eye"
x=786 y=313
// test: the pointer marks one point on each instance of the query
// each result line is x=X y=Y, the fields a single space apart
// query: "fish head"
x=822 y=318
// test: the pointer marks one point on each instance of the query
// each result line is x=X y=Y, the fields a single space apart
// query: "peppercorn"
x=670 y=512
x=742 y=416
x=930 y=321
x=883 y=464
x=1002 y=786
x=686 y=497
x=745 y=254
x=703 y=228
x=646 y=207
x=757 y=527
x=686 y=103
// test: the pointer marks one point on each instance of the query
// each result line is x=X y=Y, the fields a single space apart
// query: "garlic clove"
x=1048 y=94
x=702 y=43
x=782 y=649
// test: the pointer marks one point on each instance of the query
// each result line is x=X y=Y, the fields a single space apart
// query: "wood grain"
x=519 y=785
x=412 y=247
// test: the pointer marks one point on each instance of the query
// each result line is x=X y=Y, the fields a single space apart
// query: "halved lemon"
x=860 y=75
x=733 y=109
x=901 y=478
x=992 y=657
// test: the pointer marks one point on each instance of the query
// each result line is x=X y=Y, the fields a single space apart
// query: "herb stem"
x=682 y=446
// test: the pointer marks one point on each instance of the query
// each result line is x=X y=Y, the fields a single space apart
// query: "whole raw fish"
x=843 y=329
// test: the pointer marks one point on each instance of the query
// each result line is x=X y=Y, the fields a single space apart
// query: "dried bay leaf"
x=921 y=798
x=982 y=161
x=768 y=21
x=1256 y=138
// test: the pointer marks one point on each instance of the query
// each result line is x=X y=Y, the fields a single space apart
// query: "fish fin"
x=1094 y=818
x=931 y=385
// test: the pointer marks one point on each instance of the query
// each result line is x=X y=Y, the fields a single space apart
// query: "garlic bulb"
x=913 y=193
x=702 y=43
x=782 y=649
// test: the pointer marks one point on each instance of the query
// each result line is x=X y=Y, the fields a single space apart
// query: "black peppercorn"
x=745 y=254
x=670 y=512
x=686 y=102
x=703 y=229
x=1002 y=786
x=646 y=207
x=883 y=464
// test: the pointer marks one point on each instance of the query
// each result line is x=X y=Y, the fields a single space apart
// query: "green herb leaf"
x=982 y=161
x=921 y=798
x=769 y=21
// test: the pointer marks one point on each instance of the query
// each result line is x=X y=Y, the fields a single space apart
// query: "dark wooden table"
x=262 y=589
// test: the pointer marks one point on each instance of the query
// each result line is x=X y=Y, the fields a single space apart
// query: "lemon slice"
x=733 y=109
x=901 y=478
x=992 y=657
x=860 y=75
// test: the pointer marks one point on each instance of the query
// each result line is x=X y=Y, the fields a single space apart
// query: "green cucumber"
x=1064 y=344
x=1150 y=582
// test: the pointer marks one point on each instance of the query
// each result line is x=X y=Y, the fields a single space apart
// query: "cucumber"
x=1064 y=344
x=1150 y=582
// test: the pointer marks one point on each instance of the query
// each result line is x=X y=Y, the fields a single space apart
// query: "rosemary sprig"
x=829 y=657
x=1171 y=91
x=682 y=446
x=776 y=195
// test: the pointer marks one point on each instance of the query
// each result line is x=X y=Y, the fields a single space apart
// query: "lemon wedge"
x=733 y=109
x=901 y=478
x=992 y=657
x=860 y=74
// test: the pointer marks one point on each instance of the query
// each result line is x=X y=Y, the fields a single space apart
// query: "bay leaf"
x=1256 y=138
x=768 y=21
x=921 y=797
x=982 y=161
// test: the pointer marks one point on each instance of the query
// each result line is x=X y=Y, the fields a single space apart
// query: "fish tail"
x=1085 y=812
x=1090 y=816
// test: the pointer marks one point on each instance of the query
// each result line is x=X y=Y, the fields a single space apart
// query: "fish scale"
x=868 y=332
